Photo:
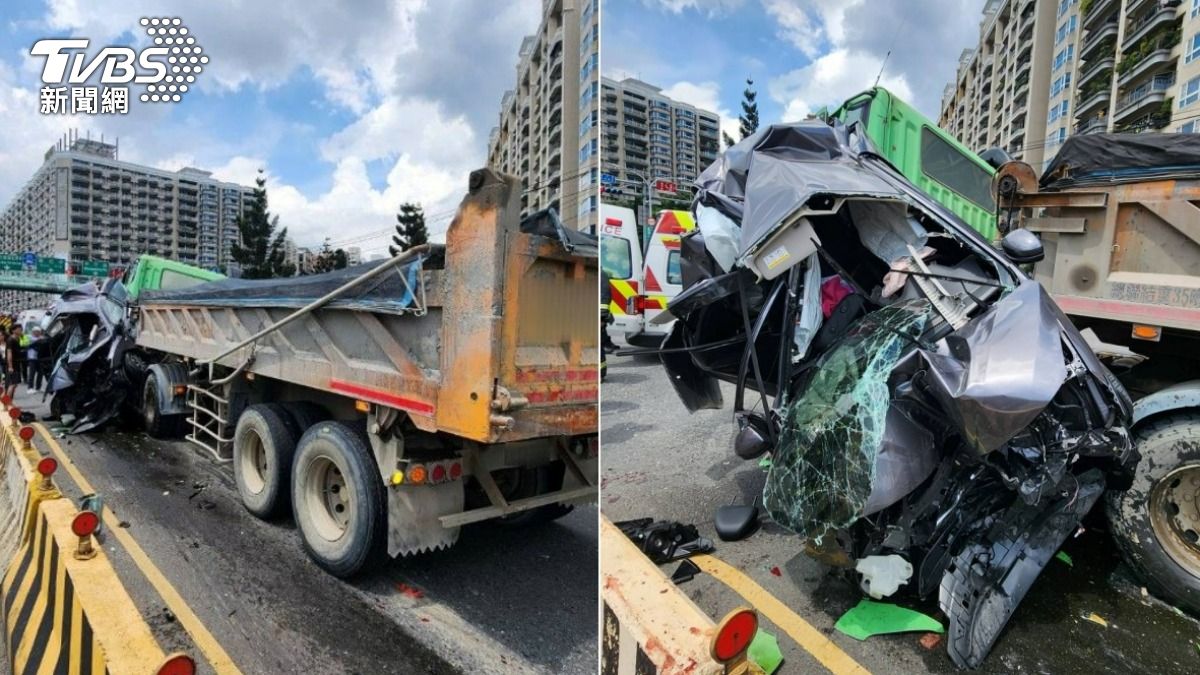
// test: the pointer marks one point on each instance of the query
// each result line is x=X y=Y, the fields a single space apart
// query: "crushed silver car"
x=935 y=422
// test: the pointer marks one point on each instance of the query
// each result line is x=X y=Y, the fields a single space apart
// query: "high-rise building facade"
x=1081 y=67
x=1002 y=89
x=547 y=131
x=648 y=136
x=84 y=204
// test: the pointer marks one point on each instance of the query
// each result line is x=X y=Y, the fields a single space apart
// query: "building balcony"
x=1094 y=102
x=1101 y=68
x=1150 y=64
x=1143 y=99
x=1103 y=37
x=1141 y=28
x=1094 y=10
x=1092 y=125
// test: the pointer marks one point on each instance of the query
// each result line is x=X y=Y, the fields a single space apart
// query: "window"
x=1059 y=84
x=674 y=274
x=1064 y=56
x=1195 y=8
x=950 y=167
x=615 y=258
x=1068 y=28
x=1193 y=50
x=1189 y=93
x=172 y=280
x=1188 y=128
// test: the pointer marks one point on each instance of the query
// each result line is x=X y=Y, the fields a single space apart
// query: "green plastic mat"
x=869 y=618
x=764 y=651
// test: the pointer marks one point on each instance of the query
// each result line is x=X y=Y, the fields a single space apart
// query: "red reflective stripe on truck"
x=377 y=396
x=1126 y=310
x=562 y=396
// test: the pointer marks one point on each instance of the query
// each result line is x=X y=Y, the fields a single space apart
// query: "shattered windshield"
x=824 y=465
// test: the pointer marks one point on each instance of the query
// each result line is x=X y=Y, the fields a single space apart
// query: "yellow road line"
x=213 y=652
x=809 y=638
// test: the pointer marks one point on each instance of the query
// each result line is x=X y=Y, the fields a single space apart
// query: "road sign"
x=664 y=186
x=608 y=179
x=11 y=262
x=51 y=266
x=94 y=268
x=29 y=259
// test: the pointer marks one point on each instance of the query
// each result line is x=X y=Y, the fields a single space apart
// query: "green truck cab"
x=152 y=273
x=928 y=156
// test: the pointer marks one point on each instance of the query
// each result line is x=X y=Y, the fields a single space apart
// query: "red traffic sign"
x=664 y=186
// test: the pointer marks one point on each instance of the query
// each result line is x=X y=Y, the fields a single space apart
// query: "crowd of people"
x=25 y=358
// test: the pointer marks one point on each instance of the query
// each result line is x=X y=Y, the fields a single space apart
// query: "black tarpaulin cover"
x=390 y=293
x=1093 y=159
x=766 y=177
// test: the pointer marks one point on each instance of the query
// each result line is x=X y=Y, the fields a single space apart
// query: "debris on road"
x=663 y=541
x=409 y=591
x=869 y=618
x=764 y=652
x=1064 y=557
x=1096 y=619
x=930 y=641
x=686 y=571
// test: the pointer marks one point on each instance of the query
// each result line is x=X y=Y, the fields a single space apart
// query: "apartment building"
x=648 y=136
x=84 y=204
x=547 y=134
x=1098 y=65
x=1001 y=94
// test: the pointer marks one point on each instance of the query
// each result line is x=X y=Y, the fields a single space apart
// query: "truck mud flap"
x=988 y=579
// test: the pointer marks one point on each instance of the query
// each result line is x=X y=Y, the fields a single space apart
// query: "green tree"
x=410 y=229
x=260 y=249
x=748 y=120
x=328 y=258
x=729 y=142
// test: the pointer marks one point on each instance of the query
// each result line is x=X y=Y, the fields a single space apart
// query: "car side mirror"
x=1022 y=246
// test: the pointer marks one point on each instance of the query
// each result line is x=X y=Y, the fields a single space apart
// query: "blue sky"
x=802 y=54
x=350 y=107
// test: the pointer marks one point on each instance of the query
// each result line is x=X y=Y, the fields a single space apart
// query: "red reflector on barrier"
x=734 y=634
x=26 y=433
x=6 y=400
x=14 y=413
x=177 y=664
x=85 y=523
x=47 y=466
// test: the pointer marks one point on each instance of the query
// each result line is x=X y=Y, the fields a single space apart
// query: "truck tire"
x=1156 y=523
x=533 y=482
x=264 y=443
x=305 y=414
x=157 y=424
x=338 y=499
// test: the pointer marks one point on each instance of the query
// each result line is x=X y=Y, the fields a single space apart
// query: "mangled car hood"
x=766 y=177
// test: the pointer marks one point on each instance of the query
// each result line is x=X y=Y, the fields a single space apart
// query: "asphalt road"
x=500 y=601
x=661 y=462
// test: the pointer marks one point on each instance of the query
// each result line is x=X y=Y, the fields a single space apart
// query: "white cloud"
x=708 y=7
x=422 y=80
x=707 y=96
x=829 y=80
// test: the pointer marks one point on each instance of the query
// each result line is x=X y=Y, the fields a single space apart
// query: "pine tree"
x=410 y=229
x=729 y=142
x=748 y=120
x=260 y=249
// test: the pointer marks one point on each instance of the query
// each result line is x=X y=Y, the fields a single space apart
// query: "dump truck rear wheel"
x=533 y=482
x=1156 y=523
x=305 y=414
x=338 y=499
x=264 y=444
x=157 y=424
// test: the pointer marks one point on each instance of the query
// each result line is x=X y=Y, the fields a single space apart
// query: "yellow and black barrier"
x=64 y=608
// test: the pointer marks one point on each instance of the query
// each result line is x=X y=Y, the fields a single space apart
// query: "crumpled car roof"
x=769 y=175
